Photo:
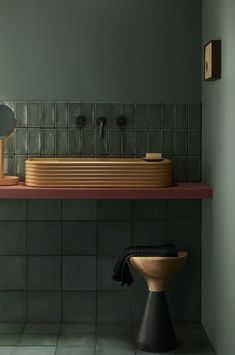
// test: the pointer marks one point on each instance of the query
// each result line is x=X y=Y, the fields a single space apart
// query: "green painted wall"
x=100 y=50
x=218 y=236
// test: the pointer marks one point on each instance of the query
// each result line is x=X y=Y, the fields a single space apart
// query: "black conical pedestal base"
x=156 y=332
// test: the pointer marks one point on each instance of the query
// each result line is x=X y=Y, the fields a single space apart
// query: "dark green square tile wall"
x=49 y=129
x=56 y=258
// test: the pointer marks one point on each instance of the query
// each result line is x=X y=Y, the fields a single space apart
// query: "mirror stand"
x=5 y=180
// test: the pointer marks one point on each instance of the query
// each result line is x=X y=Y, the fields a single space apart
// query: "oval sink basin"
x=97 y=172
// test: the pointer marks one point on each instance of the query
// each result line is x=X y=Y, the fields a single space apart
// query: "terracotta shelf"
x=180 y=191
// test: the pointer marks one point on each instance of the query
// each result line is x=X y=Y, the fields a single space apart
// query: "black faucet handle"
x=121 y=121
x=80 y=121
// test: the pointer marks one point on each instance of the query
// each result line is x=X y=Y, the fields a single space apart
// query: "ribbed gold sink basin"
x=97 y=172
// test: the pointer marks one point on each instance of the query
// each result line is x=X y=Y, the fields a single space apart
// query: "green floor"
x=88 y=339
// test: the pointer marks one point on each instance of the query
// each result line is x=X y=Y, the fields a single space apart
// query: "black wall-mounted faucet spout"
x=101 y=122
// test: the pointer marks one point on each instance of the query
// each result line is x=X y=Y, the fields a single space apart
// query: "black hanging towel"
x=121 y=271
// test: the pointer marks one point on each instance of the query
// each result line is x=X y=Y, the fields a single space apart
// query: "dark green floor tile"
x=9 y=339
x=140 y=352
x=114 y=328
x=38 y=340
x=70 y=328
x=76 y=350
x=7 y=350
x=76 y=339
x=114 y=343
x=35 y=350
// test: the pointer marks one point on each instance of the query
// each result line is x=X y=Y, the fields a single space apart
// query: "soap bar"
x=153 y=156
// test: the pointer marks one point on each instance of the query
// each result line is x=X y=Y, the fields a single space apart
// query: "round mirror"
x=7 y=121
x=7 y=126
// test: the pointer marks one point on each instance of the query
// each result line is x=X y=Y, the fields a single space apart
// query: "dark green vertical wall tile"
x=79 y=209
x=183 y=280
x=114 y=209
x=139 y=283
x=101 y=143
x=194 y=142
x=180 y=142
x=105 y=267
x=181 y=120
x=128 y=142
x=35 y=114
x=9 y=147
x=79 y=238
x=44 y=273
x=48 y=146
x=149 y=210
x=44 y=238
x=114 y=142
x=44 y=209
x=184 y=210
x=34 y=141
x=74 y=144
x=74 y=110
x=115 y=110
x=194 y=168
x=61 y=142
x=113 y=306
x=48 y=114
x=12 y=306
x=180 y=168
x=9 y=164
x=61 y=114
x=141 y=116
x=79 y=306
x=148 y=233
x=12 y=209
x=141 y=141
x=21 y=114
x=101 y=110
x=88 y=110
x=43 y=306
x=20 y=166
x=167 y=141
x=88 y=142
x=185 y=306
x=169 y=116
x=128 y=112
x=194 y=116
x=113 y=237
x=155 y=141
x=12 y=273
x=154 y=115
x=138 y=303
x=85 y=276
x=185 y=235
x=13 y=238
x=21 y=143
